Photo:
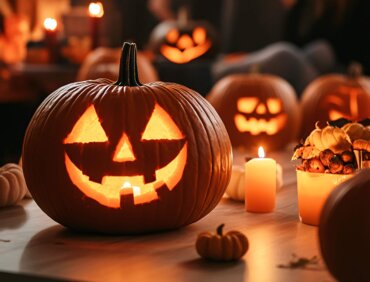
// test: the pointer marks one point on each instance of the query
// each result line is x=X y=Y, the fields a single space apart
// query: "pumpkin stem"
x=183 y=16
x=255 y=69
x=128 y=75
x=220 y=229
x=355 y=70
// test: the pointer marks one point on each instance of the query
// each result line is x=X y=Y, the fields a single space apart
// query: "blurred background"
x=45 y=44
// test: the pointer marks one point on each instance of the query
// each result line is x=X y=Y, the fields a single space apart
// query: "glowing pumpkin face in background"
x=184 y=47
x=258 y=116
x=258 y=110
x=111 y=172
x=183 y=41
x=344 y=103
x=335 y=96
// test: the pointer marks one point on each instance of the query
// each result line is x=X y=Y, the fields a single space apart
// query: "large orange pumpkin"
x=125 y=157
x=335 y=96
x=344 y=229
x=257 y=109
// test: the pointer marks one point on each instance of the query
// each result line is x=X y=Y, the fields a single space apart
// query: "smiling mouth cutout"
x=121 y=177
x=256 y=126
x=175 y=55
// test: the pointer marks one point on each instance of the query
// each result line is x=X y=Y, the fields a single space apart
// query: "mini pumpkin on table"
x=222 y=247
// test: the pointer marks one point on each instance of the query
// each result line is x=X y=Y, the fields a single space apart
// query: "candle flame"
x=136 y=189
x=126 y=184
x=261 y=152
x=96 y=9
x=50 y=24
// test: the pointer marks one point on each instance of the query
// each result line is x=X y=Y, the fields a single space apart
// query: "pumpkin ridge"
x=200 y=109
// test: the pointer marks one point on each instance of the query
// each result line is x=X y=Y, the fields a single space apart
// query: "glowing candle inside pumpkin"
x=260 y=183
x=96 y=12
x=135 y=189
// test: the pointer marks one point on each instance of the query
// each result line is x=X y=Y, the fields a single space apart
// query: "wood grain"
x=38 y=246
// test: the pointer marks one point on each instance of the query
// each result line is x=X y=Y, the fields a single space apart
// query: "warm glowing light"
x=109 y=192
x=184 y=42
x=136 y=189
x=247 y=104
x=124 y=151
x=172 y=36
x=256 y=126
x=199 y=35
x=177 y=56
x=351 y=112
x=112 y=188
x=50 y=24
x=261 y=152
x=96 y=9
x=274 y=105
x=87 y=129
x=161 y=126
x=261 y=109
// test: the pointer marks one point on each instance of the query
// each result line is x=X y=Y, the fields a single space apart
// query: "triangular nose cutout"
x=123 y=151
x=261 y=109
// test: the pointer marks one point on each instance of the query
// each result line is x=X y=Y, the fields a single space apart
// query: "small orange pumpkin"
x=222 y=247
x=335 y=96
x=257 y=109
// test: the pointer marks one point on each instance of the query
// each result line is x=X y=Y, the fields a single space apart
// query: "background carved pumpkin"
x=257 y=109
x=335 y=96
x=103 y=62
x=184 y=40
x=125 y=157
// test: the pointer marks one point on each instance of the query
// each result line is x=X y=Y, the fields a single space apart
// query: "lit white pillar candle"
x=260 y=183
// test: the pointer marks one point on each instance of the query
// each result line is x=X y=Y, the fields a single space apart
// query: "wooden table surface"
x=33 y=246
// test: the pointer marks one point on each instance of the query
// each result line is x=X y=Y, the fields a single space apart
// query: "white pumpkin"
x=236 y=188
x=12 y=185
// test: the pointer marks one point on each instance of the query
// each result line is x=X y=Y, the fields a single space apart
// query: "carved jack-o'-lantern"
x=183 y=41
x=257 y=110
x=336 y=96
x=123 y=157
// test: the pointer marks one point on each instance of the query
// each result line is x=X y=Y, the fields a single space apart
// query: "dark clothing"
x=349 y=36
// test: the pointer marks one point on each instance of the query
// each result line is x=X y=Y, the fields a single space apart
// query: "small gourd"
x=356 y=131
x=329 y=137
x=219 y=247
x=236 y=188
x=12 y=185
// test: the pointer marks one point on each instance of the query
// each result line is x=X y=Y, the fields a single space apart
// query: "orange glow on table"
x=260 y=183
x=313 y=191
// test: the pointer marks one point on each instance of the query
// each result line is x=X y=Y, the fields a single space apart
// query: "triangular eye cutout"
x=123 y=152
x=87 y=129
x=161 y=126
